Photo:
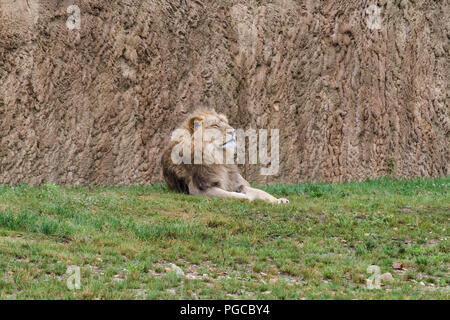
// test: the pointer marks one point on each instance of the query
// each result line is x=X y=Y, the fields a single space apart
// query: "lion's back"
x=176 y=176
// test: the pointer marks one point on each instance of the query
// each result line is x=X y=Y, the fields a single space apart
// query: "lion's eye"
x=215 y=126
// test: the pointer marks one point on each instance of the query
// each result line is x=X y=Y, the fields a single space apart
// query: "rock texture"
x=357 y=88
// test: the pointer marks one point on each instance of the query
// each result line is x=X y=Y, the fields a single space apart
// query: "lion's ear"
x=223 y=118
x=194 y=122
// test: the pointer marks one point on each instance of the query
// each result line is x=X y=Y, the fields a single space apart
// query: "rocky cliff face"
x=357 y=88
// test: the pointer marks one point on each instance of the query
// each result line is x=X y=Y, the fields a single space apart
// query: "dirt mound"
x=357 y=90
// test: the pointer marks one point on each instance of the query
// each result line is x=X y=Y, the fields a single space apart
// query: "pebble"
x=387 y=277
x=173 y=267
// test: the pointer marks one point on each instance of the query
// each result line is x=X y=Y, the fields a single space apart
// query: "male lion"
x=208 y=177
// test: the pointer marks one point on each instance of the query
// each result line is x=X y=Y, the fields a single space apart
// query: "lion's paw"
x=283 y=200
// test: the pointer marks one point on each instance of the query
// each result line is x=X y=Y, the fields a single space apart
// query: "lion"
x=210 y=177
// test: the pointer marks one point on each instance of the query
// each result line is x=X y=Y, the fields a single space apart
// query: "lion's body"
x=214 y=180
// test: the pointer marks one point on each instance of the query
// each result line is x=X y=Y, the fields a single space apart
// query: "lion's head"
x=211 y=139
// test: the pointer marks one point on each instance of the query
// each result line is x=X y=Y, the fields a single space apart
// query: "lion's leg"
x=215 y=192
x=256 y=194
x=220 y=193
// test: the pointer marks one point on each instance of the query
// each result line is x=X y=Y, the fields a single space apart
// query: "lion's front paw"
x=283 y=200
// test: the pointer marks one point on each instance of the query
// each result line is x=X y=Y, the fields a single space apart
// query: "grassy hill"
x=146 y=242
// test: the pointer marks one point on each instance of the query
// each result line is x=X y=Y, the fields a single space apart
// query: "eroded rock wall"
x=357 y=88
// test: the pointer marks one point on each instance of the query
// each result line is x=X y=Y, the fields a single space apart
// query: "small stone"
x=397 y=265
x=387 y=277
x=422 y=283
x=173 y=267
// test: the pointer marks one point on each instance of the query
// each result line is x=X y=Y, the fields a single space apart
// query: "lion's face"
x=217 y=135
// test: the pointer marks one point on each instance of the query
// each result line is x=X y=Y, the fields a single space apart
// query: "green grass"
x=317 y=247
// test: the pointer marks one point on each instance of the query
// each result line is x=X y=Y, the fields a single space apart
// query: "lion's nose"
x=232 y=134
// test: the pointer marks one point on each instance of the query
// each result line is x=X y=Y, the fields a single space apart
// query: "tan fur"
x=214 y=180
